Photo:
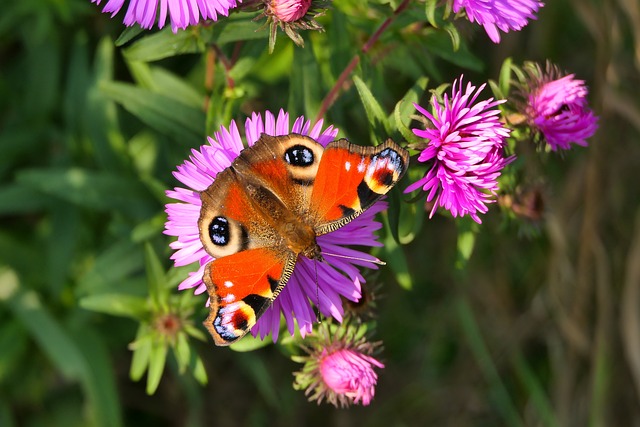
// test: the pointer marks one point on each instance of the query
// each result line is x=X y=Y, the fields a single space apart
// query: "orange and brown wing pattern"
x=241 y=287
x=286 y=165
x=351 y=178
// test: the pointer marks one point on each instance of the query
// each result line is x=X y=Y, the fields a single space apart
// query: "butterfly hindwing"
x=351 y=178
x=241 y=287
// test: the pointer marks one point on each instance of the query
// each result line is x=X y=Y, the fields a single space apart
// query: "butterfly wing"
x=242 y=286
x=351 y=178
x=250 y=221
x=287 y=165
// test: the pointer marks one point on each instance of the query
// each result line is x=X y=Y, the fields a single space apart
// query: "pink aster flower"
x=182 y=12
x=466 y=152
x=557 y=107
x=324 y=283
x=338 y=366
x=494 y=15
x=289 y=10
x=350 y=373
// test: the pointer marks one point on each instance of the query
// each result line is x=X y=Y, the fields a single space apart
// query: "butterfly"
x=265 y=210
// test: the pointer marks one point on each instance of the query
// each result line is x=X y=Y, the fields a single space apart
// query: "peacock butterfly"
x=268 y=207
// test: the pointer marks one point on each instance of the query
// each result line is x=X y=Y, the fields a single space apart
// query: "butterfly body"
x=267 y=208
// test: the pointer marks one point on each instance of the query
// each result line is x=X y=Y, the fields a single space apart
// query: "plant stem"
x=328 y=100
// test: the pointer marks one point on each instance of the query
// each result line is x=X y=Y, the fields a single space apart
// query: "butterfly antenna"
x=374 y=261
x=315 y=268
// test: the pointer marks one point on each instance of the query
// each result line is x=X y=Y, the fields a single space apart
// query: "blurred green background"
x=541 y=328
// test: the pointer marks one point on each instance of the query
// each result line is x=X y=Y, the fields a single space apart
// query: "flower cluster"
x=339 y=366
x=182 y=13
x=324 y=283
x=557 y=107
x=503 y=15
x=466 y=143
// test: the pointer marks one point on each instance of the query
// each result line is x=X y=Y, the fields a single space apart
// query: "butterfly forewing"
x=287 y=165
x=351 y=178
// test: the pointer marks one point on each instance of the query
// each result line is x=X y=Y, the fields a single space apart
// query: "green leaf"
x=404 y=109
x=156 y=279
x=100 y=378
x=397 y=261
x=305 y=93
x=62 y=243
x=148 y=229
x=430 y=12
x=375 y=114
x=20 y=198
x=102 y=191
x=504 y=82
x=128 y=34
x=162 y=113
x=64 y=351
x=467 y=230
x=110 y=270
x=182 y=351
x=197 y=368
x=236 y=28
x=141 y=348
x=442 y=44
x=159 y=80
x=451 y=29
x=164 y=44
x=117 y=305
x=157 y=361
x=249 y=343
x=14 y=345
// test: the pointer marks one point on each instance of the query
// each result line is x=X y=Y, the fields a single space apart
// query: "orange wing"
x=351 y=178
x=242 y=286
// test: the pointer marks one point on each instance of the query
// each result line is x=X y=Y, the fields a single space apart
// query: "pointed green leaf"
x=249 y=343
x=117 y=305
x=504 y=82
x=182 y=351
x=197 y=368
x=164 y=44
x=376 y=116
x=157 y=361
x=162 y=113
x=305 y=93
x=141 y=348
x=430 y=12
x=156 y=279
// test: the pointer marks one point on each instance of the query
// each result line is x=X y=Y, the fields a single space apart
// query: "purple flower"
x=323 y=283
x=289 y=10
x=557 y=108
x=338 y=366
x=494 y=15
x=466 y=151
x=350 y=373
x=182 y=12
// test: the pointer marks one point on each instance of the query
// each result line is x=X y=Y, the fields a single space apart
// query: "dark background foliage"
x=541 y=327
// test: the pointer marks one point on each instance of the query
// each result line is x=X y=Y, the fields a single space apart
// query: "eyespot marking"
x=219 y=231
x=299 y=155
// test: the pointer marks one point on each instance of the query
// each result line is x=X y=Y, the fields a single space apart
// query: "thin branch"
x=328 y=100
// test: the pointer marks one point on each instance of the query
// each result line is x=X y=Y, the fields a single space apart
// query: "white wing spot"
x=361 y=166
x=229 y=298
x=228 y=284
x=347 y=166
